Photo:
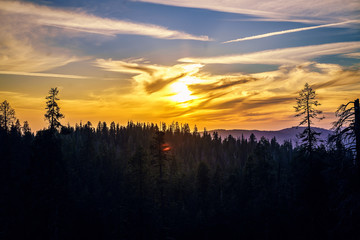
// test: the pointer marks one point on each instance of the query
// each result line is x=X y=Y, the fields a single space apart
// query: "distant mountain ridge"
x=280 y=135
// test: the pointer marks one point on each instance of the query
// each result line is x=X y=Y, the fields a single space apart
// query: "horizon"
x=238 y=66
x=94 y=125
x=264 y=130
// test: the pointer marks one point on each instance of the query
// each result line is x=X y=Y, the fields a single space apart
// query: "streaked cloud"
x=152 y=78
x=159 y=84
x=126 y=66
x=221 y=84
x=290 y=31
x=23 y=56
x=28 y=46
x=83 y=22
x=51 y=75
x=294 y=55
x=299 y=10
x=242 y=100
x=353 y=55
x=262 y=100
x=25 y=48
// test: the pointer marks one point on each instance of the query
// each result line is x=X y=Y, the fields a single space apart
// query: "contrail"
x=288 y=31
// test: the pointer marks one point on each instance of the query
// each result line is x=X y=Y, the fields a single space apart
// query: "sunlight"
x=192 y=67
x=182 y=93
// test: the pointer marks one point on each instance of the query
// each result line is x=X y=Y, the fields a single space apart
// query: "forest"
x=150 y=181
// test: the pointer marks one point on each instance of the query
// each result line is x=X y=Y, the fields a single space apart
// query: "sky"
x=229 y=64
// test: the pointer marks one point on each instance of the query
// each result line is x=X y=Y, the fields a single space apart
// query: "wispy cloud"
x=295 y=55
x=152 y=78
x=21 y=56
x=84 y=22
x=51 y=75
x=220 y=84
x=159 y=84
x=234 y=98
x=126 y=66
x=291 y=31
x=242 y=100
x=353 y=55
x=298 y=10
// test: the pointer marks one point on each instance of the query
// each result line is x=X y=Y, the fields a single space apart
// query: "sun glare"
x=182 y=93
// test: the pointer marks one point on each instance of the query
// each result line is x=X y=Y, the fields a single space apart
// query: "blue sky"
x=217 y=64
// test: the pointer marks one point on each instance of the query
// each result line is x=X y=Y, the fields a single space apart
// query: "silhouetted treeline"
x=142 y=182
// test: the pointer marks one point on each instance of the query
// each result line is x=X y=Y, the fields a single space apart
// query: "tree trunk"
x=357 y=132
x=308 y=121
x=5 y=119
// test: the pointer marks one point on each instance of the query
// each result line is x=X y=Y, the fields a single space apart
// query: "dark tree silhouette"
x=203 y=179
x=159 y=150
x=347 y=127
x=26 y=128
x=53 y=114
x=357 y=129
x=305 y=107
x=7 y=115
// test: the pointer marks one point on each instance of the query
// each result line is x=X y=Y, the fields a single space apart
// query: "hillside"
x=280 y=135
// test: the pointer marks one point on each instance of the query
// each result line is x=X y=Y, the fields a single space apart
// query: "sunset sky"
x=217 y=64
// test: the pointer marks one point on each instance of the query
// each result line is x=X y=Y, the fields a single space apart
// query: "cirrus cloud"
x=24 y=57
x=84 y=22
x=274 y=10
x=294 y=55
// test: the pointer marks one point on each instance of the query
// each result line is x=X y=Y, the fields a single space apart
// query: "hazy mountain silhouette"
x=280 y=135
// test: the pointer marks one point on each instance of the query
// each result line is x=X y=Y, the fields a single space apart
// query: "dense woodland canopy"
x=144 y=181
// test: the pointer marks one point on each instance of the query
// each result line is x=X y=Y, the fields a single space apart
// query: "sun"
x=180 y=90
x=182 y=93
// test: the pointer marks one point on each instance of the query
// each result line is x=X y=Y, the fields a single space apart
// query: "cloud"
x=352 y=55
x=289 y=31
x=83 y=22
x=51 y=75
x=28 y=46
x=229 y=104
x=159 y=84
x=273 y=94
x=126 y=67
x=22 y=56
x=298 y=10
x=152 y=78
x=339 y=79
x=263 y=103
x=262 y=100
x=24 y=48
x=294 y=55
x=216 y=92
x=221 y=84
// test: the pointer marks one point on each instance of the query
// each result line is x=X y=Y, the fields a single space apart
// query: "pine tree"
x=16 y=127
x=305 y=107
x=203 y=182
x=203 y=178
x=347 y=127
x=159 y=152
x=7 y=115
x=26 y=127
x=53 y=114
